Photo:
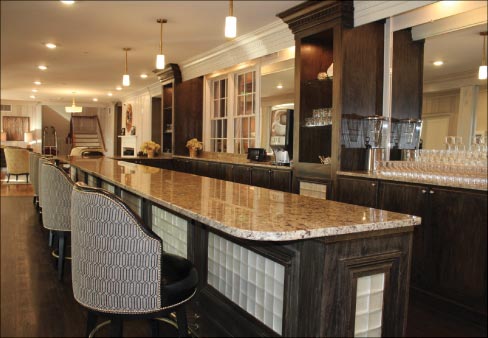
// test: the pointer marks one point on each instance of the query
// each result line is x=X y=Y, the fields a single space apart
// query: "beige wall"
x=481 y=127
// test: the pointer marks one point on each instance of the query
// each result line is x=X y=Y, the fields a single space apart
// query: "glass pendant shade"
x=482 y=72
x=230 y=27
x=160 y=63
x=126 y=80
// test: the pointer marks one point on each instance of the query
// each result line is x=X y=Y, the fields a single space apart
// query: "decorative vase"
x=193 y=152
x=150 y=153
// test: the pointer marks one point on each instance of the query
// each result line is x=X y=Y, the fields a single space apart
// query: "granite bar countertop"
x=240 y=210
x=379 y=176
x=244 y=162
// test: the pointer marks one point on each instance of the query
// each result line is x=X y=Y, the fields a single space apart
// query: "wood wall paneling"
x=156 y=122
x=15 y=127
x=407 y=81
x=363 y=70
x=188 y=116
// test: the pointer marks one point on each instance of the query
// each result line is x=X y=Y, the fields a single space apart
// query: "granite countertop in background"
x=378 y=176
x=241 y=210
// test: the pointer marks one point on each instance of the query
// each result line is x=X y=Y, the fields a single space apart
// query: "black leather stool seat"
x=180 y=278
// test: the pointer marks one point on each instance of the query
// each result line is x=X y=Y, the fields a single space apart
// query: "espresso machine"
x=373 y=140
x=281 y=135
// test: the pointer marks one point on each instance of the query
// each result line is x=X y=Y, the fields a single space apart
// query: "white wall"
x=141 y=116
x=482 y=112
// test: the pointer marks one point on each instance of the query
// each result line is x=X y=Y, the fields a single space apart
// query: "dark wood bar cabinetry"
x=169 y=77
x=259 y=176
x=449 y=255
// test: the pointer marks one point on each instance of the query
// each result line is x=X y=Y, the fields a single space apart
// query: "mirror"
x=454 y=99
x=277 y=92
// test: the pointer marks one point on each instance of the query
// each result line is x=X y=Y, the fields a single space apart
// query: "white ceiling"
x=460 y=50
x=91 y=34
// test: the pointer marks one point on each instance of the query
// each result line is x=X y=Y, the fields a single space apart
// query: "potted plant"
x=193 y=146
x=150 y=148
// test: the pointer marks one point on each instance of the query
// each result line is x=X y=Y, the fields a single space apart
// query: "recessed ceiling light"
x=143 y=76
x=95 y=99
x=109 y=94
x=42 y=67
x=438 y=63
x=67 y=2
x=37 y=83
x=119 y=88
x=34 y=90
x=280 y=86
x=50 y=45
x=32 y=97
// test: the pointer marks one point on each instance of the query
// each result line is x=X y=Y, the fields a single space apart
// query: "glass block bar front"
x=369 y=305
x=133 y=201
x=250 y=280
x=108 y=187
x=92 y=181
x=172 y=229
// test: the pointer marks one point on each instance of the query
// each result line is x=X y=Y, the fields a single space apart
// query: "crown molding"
x=263 y=41
x=154 y=89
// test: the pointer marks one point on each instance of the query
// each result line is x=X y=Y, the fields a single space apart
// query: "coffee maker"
x=373 y=140
x=281 y=135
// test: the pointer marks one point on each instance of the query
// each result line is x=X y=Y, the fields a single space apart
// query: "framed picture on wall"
x=15 y=127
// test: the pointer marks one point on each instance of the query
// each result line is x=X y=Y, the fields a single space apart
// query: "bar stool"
x=34 y=175
x=119 y=268
x=56 y=207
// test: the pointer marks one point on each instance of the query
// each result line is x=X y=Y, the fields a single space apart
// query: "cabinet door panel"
x=261 y=177
x=201 y=168
x=459 y=221
x=215 y=170
x=281 y=180
x=242 y=174
x=227 y=172
x=412 y=200
x=357 y=191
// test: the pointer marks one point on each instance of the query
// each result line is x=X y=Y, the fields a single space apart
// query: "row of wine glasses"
x=455 y=143
x=436 y=173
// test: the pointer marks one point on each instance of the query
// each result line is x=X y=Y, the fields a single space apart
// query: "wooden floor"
x=35 y=304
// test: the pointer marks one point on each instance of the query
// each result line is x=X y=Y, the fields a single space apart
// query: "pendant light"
x=126 y=78
x=160 y=57
x=73 y=108
x=482 y=73
x=231 y=22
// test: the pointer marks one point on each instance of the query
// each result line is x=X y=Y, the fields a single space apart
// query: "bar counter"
x=270 y=262
x=271 y=216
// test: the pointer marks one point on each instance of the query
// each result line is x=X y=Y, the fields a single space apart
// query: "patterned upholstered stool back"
x=39 y=181
x=34 y=171
x=116 y=262
x=56 y=204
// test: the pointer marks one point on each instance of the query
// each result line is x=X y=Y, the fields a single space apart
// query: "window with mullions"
x=245 y=113
x=218 y=119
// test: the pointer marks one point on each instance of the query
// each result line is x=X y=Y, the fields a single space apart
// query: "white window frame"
x=232 y=106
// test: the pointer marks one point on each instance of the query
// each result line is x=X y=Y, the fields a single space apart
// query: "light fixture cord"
x=483 y=61
x=161 y=39
x=231 y=7
x=126 y=61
